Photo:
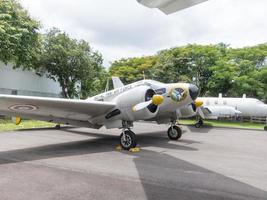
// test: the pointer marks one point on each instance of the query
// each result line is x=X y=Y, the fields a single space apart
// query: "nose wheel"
x=174 y=132
x=199 y=123
x=128 y=140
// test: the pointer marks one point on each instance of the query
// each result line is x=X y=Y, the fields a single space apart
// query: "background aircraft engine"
x=139 y=103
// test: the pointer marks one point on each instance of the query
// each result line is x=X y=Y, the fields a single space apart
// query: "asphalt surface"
x=78 y=163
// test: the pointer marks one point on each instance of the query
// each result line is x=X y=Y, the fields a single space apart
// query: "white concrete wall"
x=26 y=82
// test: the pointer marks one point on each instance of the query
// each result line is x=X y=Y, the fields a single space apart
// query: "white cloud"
x=123 y=28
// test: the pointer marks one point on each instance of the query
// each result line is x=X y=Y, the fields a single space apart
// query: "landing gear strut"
x=174 y=132
x=199 y=123
x=127 y=138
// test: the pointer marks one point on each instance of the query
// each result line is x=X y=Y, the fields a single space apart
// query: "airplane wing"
x=170 y=6
x=68 y=111
x=220 y=111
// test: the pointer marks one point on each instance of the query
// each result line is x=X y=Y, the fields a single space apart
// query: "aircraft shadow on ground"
x=162 y=176
x=167 y=177
x=204 y=129
x=101 y=143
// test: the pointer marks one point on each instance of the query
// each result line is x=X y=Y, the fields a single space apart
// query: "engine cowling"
x=128 y=100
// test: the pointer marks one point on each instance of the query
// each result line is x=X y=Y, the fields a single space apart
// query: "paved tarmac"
x=79 y=163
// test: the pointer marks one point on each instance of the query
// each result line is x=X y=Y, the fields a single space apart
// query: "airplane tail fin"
x=117 y=82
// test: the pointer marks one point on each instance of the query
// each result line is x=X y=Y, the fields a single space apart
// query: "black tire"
x=130 y=142
x=201 y=122
x=57 y=127
x=198 y=125
x=174 y=133
x=265 y=128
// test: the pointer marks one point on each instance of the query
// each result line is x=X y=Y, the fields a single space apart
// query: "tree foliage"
x=19 y=39
x=133 y=69
x=214 y=68
x=71 y=62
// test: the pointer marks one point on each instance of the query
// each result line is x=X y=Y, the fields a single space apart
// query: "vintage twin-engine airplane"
x=119 y=108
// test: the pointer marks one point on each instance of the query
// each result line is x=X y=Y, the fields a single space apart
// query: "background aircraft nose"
x=193 y=91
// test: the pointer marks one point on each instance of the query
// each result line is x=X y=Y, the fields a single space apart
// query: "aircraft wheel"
x=198 y=125
x=128 y=140
x=174 y=133
x=265 y=128
x=57 y=127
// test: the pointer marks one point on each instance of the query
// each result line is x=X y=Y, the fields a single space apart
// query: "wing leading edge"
x=53 y=109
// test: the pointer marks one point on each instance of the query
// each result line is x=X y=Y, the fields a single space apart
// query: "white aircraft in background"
x=215 y=107
x=170 y=6
x=119 y=108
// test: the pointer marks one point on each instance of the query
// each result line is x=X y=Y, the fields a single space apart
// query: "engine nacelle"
x=187 y=111
x=127 y=100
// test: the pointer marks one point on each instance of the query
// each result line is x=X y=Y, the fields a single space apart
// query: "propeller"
x=196 y=106
x=151 y=104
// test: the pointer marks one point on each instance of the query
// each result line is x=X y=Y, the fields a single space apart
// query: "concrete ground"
x=78 y=163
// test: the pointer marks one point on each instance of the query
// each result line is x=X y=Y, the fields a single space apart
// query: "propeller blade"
x=141 y=106
x=155 y=100
x=200 y=113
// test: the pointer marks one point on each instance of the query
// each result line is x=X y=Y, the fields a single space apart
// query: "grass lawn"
x=226 y=124
x=8 y=125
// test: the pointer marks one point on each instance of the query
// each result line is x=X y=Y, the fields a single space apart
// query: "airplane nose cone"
x=193 y=91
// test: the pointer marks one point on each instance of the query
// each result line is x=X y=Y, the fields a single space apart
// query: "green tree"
x=70 y=62
x=190 y=63
x=19 y=39
x=223 y=77
x=133 y=69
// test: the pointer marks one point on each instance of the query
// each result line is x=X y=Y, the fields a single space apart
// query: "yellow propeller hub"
x=157 y=99
x=198 y=103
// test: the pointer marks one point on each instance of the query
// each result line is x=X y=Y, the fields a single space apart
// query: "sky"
x=124 y=28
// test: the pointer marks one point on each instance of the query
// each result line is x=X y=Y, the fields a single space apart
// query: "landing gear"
x=57 y=127
x=128 y=140
x=199 y=123
x=174 y=132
